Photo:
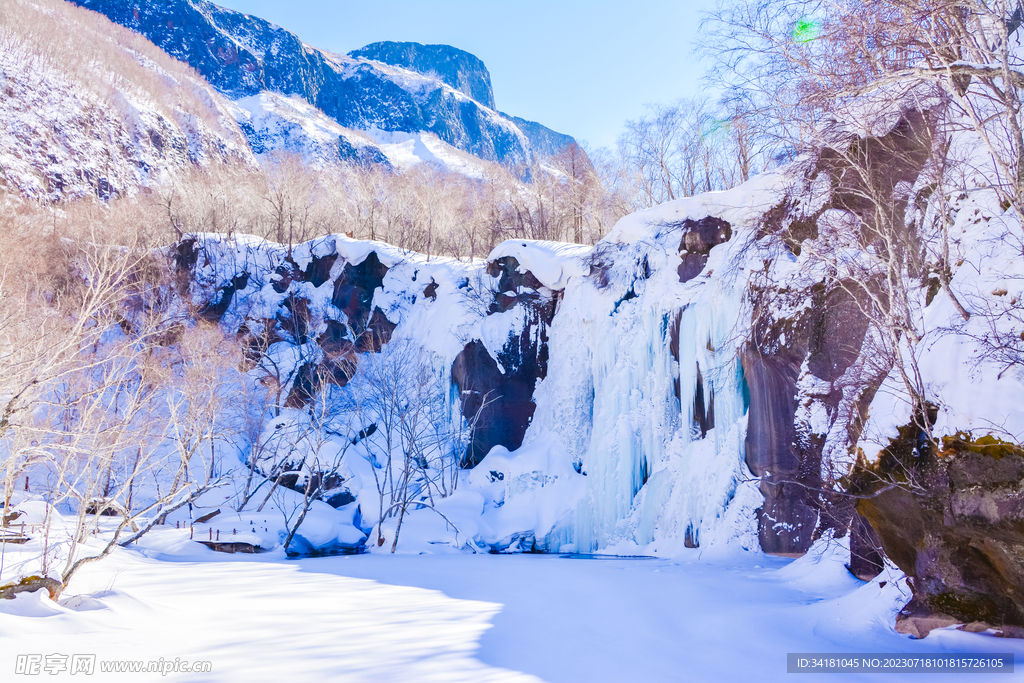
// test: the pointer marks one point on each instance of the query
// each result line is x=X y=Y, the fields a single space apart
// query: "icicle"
x=649 y=473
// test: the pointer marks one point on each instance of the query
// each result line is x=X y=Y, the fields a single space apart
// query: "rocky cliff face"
x=810 y=381
x=459 y=69
x=687 y=365
x=387 y=86
x=500 y=389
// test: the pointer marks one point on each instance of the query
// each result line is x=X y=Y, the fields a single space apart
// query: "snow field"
x=462 y=617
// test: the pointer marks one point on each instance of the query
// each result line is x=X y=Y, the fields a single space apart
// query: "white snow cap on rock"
x=553 y=263
x=740 y=206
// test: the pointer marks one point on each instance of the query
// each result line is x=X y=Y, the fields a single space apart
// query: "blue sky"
x=581 y=68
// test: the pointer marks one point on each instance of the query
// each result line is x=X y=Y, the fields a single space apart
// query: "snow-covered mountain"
x=432 y=92
x=459 y=69
x=91 y=108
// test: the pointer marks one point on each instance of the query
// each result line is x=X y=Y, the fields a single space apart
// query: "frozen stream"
x=457 y=617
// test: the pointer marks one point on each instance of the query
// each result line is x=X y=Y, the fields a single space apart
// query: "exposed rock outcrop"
x=497 y=393
x=806 y=340
x=354 y=288
x=459 y=69
x=297 y=319
x=698 y=238
x=786 y=454
x=953 y=521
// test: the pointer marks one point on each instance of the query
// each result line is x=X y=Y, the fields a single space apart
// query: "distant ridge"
x=391 y=87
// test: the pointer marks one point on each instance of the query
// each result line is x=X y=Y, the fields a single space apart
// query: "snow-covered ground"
x=464 y=617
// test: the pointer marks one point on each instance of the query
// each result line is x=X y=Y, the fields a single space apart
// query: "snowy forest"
x=326 y=351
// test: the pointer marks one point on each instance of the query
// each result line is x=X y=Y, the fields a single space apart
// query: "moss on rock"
x=952 y=518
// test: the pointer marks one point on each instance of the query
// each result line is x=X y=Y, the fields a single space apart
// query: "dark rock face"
x=242 y=55
x=690 y=539
x=673 y=348
x=354 y=288
x=510 y=280
x=699 y=236
x=890 y=161
x=353 y=294
x=788 y=517
x=459 y=69
x=501 y=398
x=828 y=334
x=213 y=312
x=430 y=291
x=186 y=254
x=340 y=499
x=307 y=383
x=339 y=353
x=703 y=396
x=703 y=407
x=378 y=332
x=696 y=243
x=505 y=403
x=953 y=521
x=319 y=269
x=295 y=318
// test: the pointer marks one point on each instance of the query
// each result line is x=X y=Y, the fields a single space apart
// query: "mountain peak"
x=245 y=57
x=463 y=71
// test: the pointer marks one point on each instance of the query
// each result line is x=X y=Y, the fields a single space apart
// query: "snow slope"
x=74 y=128
x=276 y=123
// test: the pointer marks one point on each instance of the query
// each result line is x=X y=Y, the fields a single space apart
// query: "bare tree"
x=143 y=440
x=683 y=149
x=289 y=197
x=875 y=94
x=794 y=66
x=414 y=435
x=93 y=408
x=322 y=436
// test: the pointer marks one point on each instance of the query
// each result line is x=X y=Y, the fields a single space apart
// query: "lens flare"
x=805 y=30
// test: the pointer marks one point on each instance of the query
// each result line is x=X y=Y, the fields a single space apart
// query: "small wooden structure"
x=228 y=547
